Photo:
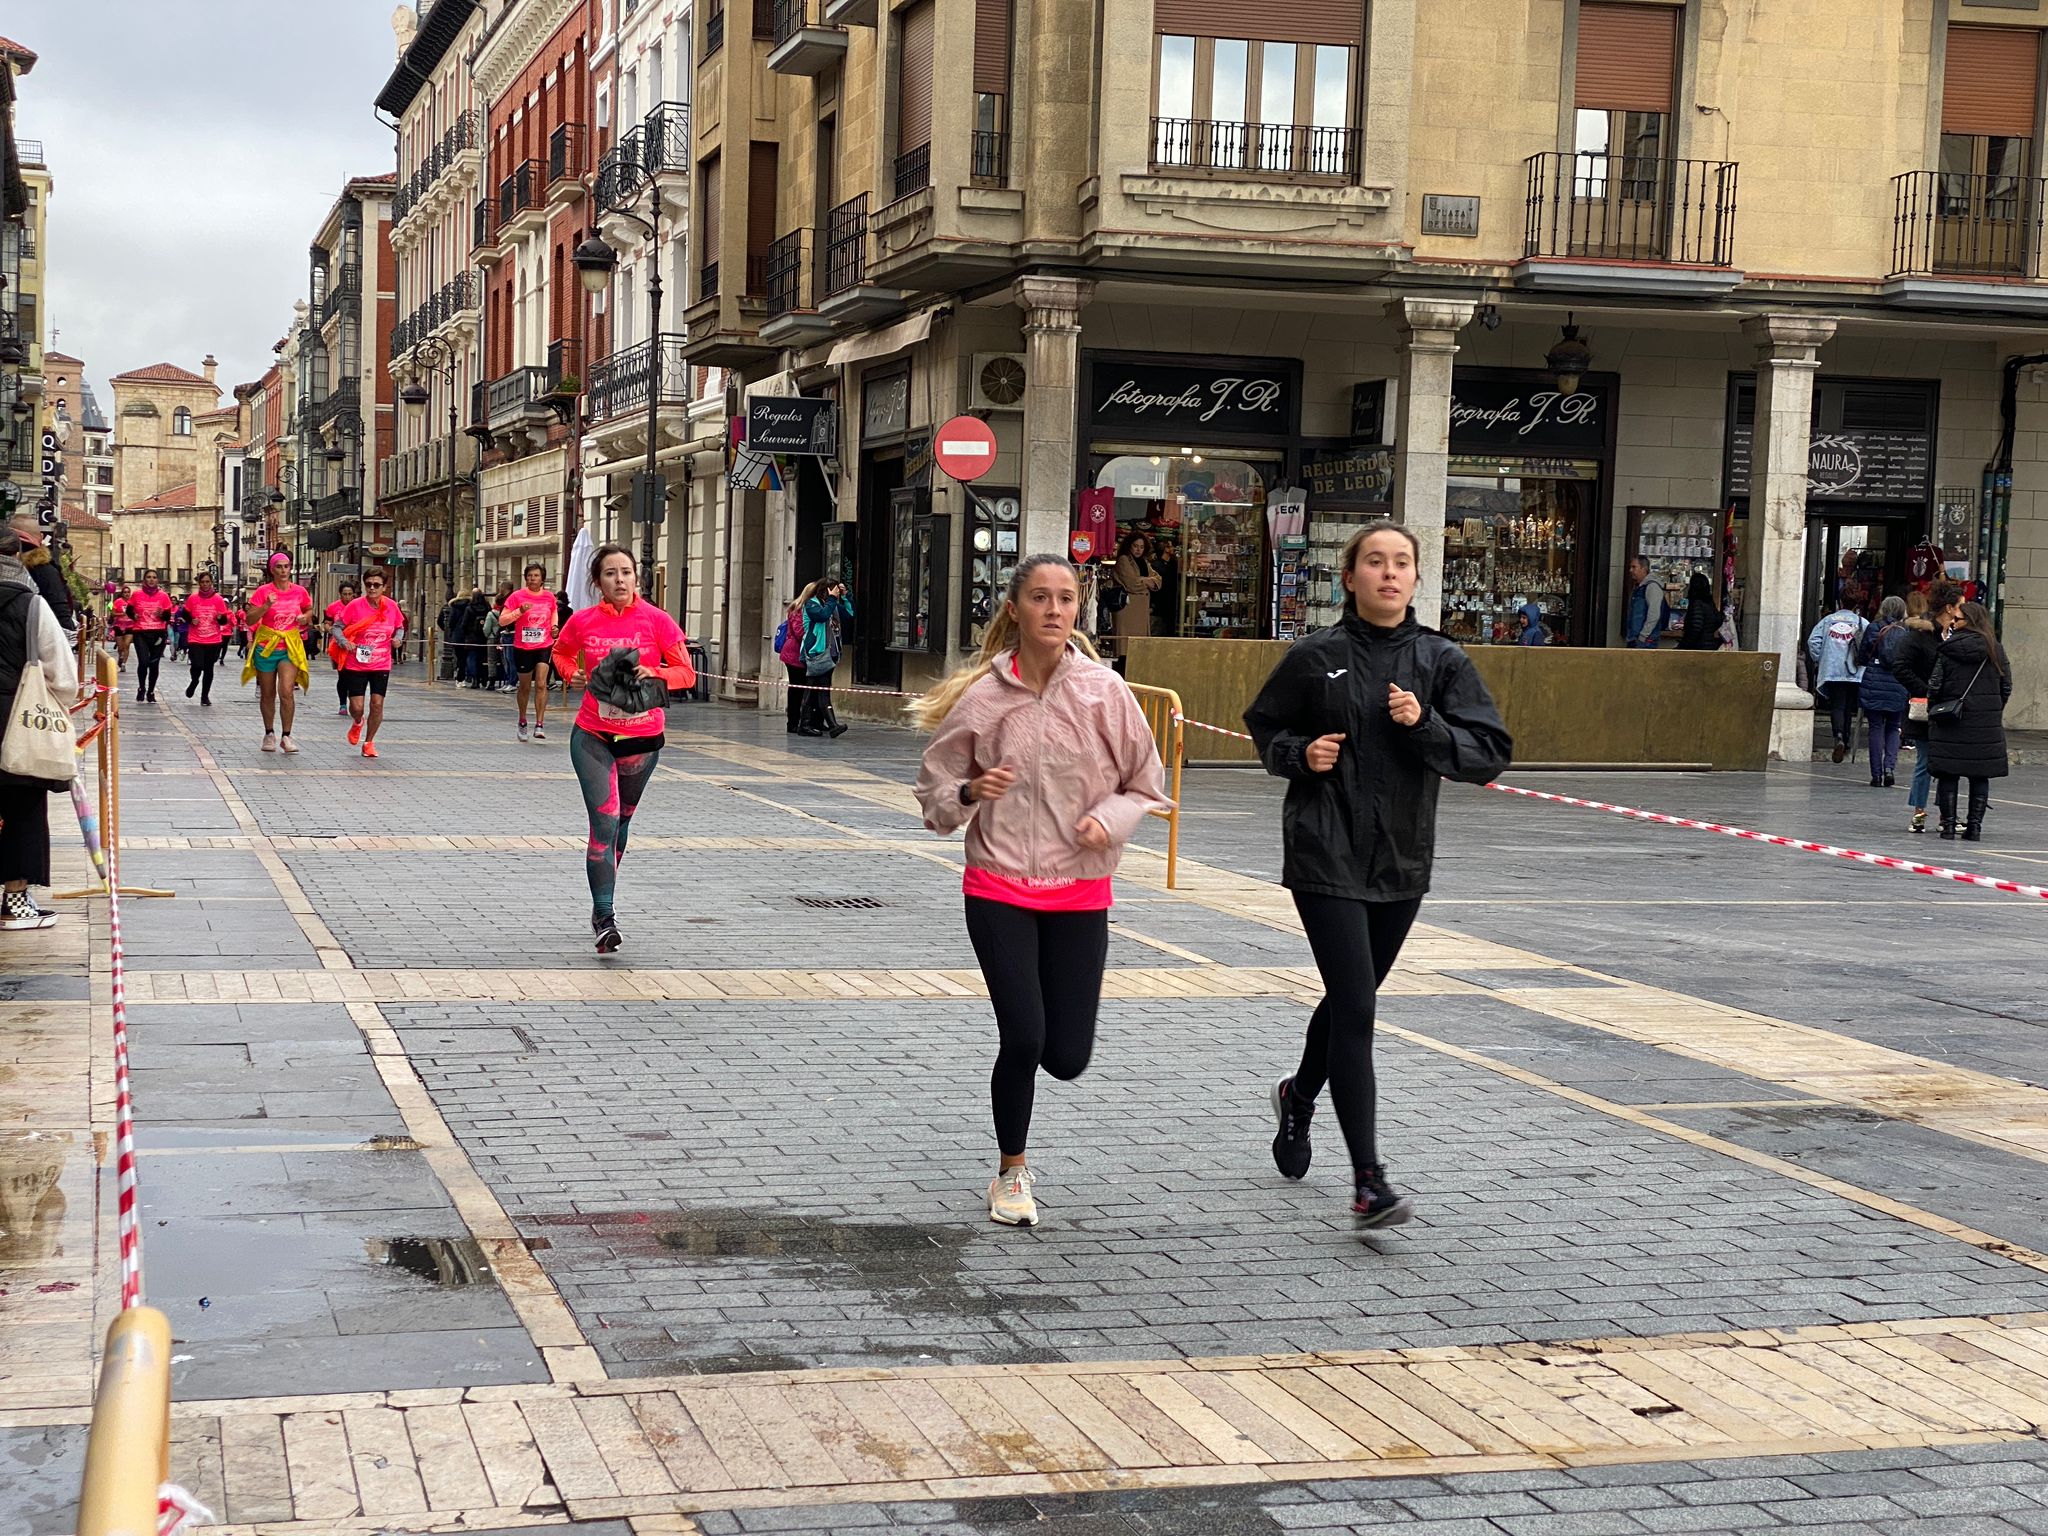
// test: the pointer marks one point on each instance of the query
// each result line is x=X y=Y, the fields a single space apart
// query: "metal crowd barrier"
x=1162 y=711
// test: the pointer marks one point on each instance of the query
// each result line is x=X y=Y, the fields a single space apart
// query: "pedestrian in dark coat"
x=1912 y=664
x=1702 y=631
x=1966 y=717
x=1883 y=700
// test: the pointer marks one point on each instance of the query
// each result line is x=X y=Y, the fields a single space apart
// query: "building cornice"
x=505 y=52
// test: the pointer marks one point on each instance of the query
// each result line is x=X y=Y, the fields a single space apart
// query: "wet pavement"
x=472 y=1186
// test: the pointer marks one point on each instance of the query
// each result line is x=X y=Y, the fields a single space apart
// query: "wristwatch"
x=967 y=791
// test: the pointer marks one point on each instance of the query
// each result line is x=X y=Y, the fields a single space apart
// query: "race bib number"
x=612 y=713
x=365 y=654
x=533 y=634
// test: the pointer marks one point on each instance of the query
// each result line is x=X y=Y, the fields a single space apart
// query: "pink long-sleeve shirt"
x=594 y=633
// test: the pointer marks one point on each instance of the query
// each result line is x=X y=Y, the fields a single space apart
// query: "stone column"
x=1422 y=436
x=1052 y=369
x=1787 y=358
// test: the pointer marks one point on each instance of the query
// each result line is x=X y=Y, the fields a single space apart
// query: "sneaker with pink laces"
x=1009 y=1198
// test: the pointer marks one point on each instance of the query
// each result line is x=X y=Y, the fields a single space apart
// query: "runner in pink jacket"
x=613 y=749
x=1041 y=752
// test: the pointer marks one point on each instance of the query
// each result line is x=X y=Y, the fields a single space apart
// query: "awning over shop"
x=883 y=343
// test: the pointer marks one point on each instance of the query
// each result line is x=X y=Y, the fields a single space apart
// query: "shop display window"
x=1512 y=538
x=1210 y=514
x=1678 y=541
x=994 y=518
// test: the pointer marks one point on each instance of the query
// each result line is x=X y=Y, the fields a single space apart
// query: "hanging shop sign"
x=884 y=405
x=412 y=544
x=1244 y=397
x=1369 y=413
x=1849 y=465
x=1362 y=477
x=792 y=424
x=1526 y=415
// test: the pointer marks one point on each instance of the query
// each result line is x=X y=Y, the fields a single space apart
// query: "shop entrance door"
x=874 y=664
x=1855 y=558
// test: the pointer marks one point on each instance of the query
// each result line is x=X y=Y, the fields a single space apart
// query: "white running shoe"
x=524 y=730
x=540 y=732
x=1009 y=1198
x=284 y=744
x=270 y=741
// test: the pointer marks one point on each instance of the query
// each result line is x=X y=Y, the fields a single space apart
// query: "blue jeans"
x=1916 y=797
x=1886 y=726
x=508 y=665
x=472 y=664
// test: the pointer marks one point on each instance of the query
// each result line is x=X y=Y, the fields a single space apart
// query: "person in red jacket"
x=612 y=747
x=149 y=613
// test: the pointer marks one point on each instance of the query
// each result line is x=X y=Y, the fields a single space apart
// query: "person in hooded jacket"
x=1913 y=658
x=1836 y=676
x=1884 y=700
x=1364 y=720
x=1966 y=697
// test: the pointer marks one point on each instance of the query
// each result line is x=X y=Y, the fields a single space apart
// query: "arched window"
x=181 y=422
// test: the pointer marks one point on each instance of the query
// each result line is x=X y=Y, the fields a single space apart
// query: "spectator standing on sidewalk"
x=1649 y=609
x=1884 y=701
x=827 y=614
x=29 y=631
x=789 y=650
x=1919 y=646
x=1966 y=715
x=39 y=560
x=1837 y=677
x=470 y=637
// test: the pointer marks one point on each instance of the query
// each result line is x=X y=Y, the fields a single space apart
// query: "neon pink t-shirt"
x=151 y=610
x=286 y=607
x=210 y=618
x=531 y=618
x=366 y=634
x=1039 y=895
x=595 y=633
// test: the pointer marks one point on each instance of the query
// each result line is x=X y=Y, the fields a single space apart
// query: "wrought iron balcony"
x=343 y=399
x=1213 y=146
x=913 y=170
x=463 y=134
x=619 y=176
x=485 y=234
x=334 y=507
x=619 y=384
x=846 y=245
x=1641 y=208
x=424 y=468
x=567 y=148
x=804 y=42
x=507 y=396
x=707 y=281
x=656 y=146
x=1948 y=224
x=565 y=366
x=989 y=163
x=345 y=290
x=785 y=274
x=522 y=196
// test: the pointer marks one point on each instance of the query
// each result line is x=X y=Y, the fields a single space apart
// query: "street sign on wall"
x=792 y=424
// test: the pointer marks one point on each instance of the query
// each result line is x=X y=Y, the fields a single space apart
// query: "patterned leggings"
x=613 y=775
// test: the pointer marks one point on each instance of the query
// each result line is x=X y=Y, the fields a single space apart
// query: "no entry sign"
x=966 y=448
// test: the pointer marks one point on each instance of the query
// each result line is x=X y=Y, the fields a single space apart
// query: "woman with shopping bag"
x=38 y=679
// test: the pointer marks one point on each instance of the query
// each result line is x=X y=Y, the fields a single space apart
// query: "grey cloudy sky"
x=196 y=148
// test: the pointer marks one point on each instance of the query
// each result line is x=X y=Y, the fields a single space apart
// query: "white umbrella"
x=576 y=580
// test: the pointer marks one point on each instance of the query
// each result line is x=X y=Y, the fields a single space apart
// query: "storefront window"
x=1206 y=516
x=1513 y=530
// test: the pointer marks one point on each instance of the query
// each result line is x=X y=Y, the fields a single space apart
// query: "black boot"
x=832 y=726
x=1945 y=802
x=1980 y=802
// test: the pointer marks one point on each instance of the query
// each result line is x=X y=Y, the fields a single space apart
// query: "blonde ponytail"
x=929 y=710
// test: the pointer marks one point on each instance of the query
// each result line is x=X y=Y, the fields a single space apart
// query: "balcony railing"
x=347 y=288
x=565 y=366
x=344 y=399
x=913 y=170
x=1953 y=225
x=764 y=19
x=566 y=150
x=463 y=134
x=707 y=281
x=714 y=32
x=29 y=151
x=1254 y=149
x=846 y=245
x=657 y=145
x=424 y=468
x=784 y=273
x=1631 y=208
x=486 y=226
x=989 y=162
x=508 y=395
x=619 y=384
x=334 y=506
x=454 y=297
x=522 y=192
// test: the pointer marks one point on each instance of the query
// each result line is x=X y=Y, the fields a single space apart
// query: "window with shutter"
x=1628 y=57
x=1984 y=198
x=990 y=148
x=1990 y=81
x=913 y=97
x=1624 y=81
x=1271 y=94
x=761 y=186
x=709 y=236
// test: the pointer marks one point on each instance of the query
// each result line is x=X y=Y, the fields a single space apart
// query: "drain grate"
x=858 y=903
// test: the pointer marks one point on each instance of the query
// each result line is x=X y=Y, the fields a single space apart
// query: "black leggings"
x=1044 y=974
x=613 y=774
x=149 y=652
x=1355 y=944
x=204 y=655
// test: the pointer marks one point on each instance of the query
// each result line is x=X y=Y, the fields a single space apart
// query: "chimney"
x=208 y=365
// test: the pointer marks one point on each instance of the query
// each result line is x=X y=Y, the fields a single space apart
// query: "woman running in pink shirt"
x=1041 y=752
x=614 y=749
x=149 y=613
x=279 y=611
x=365 y=631
x=331 y=614
x=528 y=615
x=208 y=622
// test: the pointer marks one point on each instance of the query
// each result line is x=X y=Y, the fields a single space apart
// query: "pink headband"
x=278 y=559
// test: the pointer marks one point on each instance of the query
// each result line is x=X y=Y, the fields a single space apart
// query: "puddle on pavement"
x=443 y=1261
x=919 y=1265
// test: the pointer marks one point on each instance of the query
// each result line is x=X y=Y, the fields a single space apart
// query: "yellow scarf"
x=286 y=640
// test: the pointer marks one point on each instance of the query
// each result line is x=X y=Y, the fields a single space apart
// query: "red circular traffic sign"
x=965 y=448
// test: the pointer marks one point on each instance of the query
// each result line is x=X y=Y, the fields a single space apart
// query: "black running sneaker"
x=1376 y=1203
x=1290 y=1144
x=607 y=930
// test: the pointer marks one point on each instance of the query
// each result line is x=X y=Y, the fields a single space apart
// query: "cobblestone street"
x=1727 y=1161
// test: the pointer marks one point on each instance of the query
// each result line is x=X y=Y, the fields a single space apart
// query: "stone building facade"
x=166 y=419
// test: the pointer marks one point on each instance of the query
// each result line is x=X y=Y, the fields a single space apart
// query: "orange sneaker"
x=355 y=733
x=369 y=749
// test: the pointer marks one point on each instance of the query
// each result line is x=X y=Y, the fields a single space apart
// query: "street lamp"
x=437 y=357
x=595 y=263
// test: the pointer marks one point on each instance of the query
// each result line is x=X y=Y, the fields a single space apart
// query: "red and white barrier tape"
x=778 y=682
x=128 y=1220
x=1775 y=840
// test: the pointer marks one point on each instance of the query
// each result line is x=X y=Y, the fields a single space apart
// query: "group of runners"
x=1041 y=754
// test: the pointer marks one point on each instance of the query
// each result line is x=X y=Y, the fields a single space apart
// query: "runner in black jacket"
x=1363 y=720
